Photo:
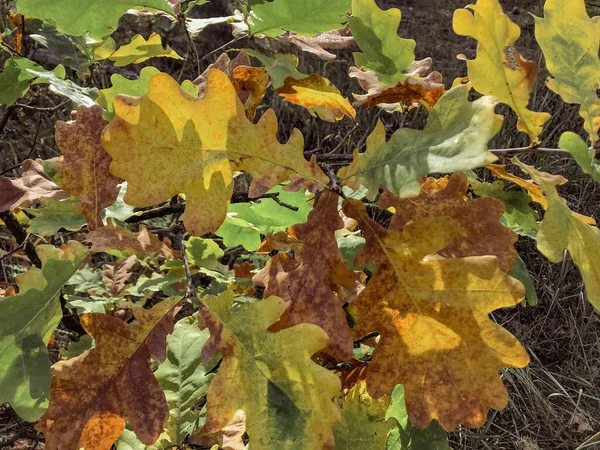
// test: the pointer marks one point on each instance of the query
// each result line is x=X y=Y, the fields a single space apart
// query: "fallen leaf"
x=115 y=276
x=499 y=69
x=114 y=237
x=432 y=314
x=286 y=396
x=317 y=93
x=83 y=171
x=306 y=283
x=196 y=145
x=94 y=393
x=454 y=139
x=480 y=232
x=27 y=323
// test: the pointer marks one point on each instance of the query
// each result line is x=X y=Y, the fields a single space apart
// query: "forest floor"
x=555 y=401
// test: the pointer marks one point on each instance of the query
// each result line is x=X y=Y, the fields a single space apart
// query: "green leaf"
x=93 y=303
x=137 y=88
x=15 y=79
x=80 y=96
x=86 y=280
x=279 y=67
x=119 y=209
x=99 y=18
x=350 y=245
x=184 y=379
x=519 y=216
x=305 y=17
x=520 y=272
x=27 y=322
x=407 y=437
x=582 y=154
x=203 y=252
x=570 y=41
x=138 y=50
x=85 y=343
x=74 y=51
x=54 y=215
x=454 y=139
x=247 y=221
x=376 y=33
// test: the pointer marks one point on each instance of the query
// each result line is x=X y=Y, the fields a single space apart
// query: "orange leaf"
x=83 y=172
x=251 y=85
x=480 y=231
x=317 y=92
x=93 y=394
x=306 y=286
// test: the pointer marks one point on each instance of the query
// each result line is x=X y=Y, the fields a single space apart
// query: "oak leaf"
x=432 y=314
x=306 y=283
x=83 y=171
x=116 y=275
x=137 y=51
x=455 y=138
x=29 y=188
x=114 y=237
x=569 y=40
x=376 y=33
x=425 y=91
x=286 y=396
x=364 y=423
x=27 y=323
x=94 y=393
x=480 y=232
x=229 y=438
x=181 y=144
x=563 y=229
x=320 y=43
x=499 y=69
x=319 y=95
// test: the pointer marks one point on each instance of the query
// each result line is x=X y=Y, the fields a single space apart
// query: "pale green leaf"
x=54 y=215
x=582 y=154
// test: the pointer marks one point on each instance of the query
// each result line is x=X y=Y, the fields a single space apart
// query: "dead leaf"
x=320 y=43
x=115 y=276
x=95 y=393
x=83 y=171
x=229 y=438
x=114 y=237
x=306 y=283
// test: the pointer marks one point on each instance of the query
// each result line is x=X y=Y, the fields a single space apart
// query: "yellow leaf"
x=570 y=40
x=498 y=69
x=317 y=92
x=137 y=51
x=432 y=315
x=563 y=229
x=169 y=142
x=286 y=396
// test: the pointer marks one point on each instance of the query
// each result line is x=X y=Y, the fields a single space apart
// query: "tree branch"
x=21 y=236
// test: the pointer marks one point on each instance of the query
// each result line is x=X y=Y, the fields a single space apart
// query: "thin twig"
x=222 y=47
x=13 y=251
x=17 y=230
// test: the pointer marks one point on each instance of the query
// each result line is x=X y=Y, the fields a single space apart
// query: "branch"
x=21 y=236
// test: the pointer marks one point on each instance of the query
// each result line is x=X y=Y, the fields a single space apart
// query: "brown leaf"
x=115 y=276
x=480 y=230
x=83 y=172
x=228 y=438
x=27 y=190
x=94 y=394
x=425 y=91
x=320 y=43
x=244 y=270
x=307 y=285
x=282 y=242
x=114 y=237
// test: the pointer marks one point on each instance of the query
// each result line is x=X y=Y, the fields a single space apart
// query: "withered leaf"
x=115 y=276
x=114 y=237
x=94 y=394
x=83 y=172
